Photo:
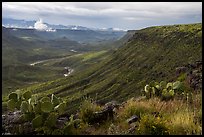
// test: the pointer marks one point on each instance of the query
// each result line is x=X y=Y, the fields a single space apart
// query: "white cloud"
x=30 y=27
x=118 y=29
x=39 y=25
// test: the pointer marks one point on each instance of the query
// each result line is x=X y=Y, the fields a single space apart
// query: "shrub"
x=87 y=110
x=133 y=107
x=182 y=77
x=71 y=126
x=150 y=125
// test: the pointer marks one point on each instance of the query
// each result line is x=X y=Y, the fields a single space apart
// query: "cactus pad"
x=55 y=101
x=13 y=96
x=46 y=106
x=27 y=95
x=37 y=121
x=11 y=104
x=24 y=107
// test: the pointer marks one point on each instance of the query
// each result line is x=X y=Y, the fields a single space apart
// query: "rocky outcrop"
x=12 y=124
x=107 y=113
x=194 y=74
x=194 y=77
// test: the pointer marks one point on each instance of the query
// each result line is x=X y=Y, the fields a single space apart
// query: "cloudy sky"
x=124 y=15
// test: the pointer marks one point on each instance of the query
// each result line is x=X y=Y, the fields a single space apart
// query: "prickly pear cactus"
x=27 y=95
x=18 y=104
x=152 y=83
x=147 y=91
x=37 y=121
x=42 y=113
x=60 y=108
x=153 y=90
x=13 y=96
x=11 y=104
x=37 y=108
x=147 y=88
x=178 y=86
x=55 y=101
x=46 y=106
x=171 y=92
x=162 y=84
x=169 y=85
x=45 y=99
x=51 y=120
x=163 y=90
x=24 y=107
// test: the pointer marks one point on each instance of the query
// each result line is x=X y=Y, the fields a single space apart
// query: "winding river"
x=70 y=70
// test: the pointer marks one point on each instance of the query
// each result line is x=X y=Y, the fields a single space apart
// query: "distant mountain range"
x=14 y=23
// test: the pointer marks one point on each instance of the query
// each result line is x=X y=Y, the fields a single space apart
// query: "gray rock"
x=132 y=129
x=11 y=118
x=132 y=119
x=180 y=70
x=6 y=134
x=27 y=128
x=112 y=104
x=61 y=122
x=76 y=116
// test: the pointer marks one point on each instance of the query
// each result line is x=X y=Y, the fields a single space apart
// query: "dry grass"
x=182 y=117
x=175 y=117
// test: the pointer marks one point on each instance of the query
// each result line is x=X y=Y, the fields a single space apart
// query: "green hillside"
x=151 y=85
x=21 y=47
x=150 y=54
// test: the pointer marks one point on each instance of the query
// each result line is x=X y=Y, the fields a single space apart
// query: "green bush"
x=182 y=77
x=70 y=127
x=87 y=110
x=150 y=125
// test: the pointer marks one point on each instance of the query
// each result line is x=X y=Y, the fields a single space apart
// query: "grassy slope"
x=156 y=117
x=152 y=53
